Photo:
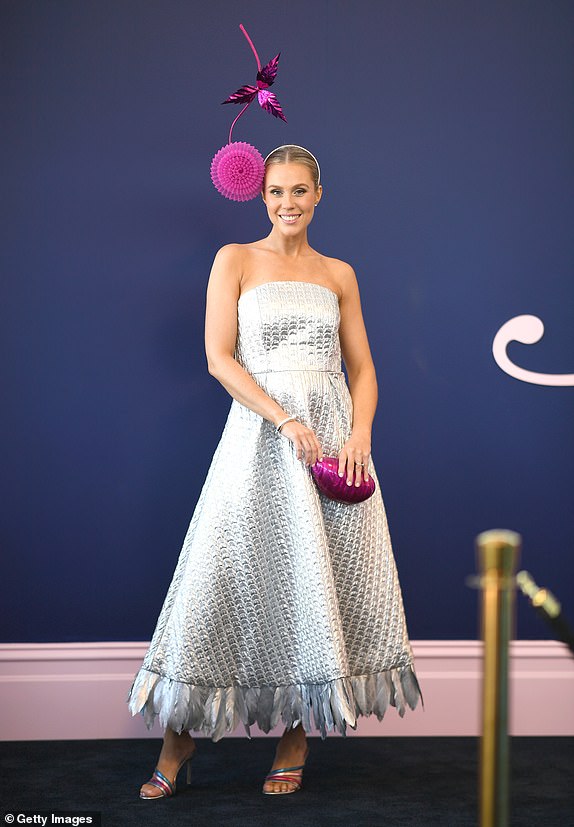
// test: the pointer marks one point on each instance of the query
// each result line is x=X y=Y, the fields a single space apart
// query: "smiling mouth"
x=290 y=219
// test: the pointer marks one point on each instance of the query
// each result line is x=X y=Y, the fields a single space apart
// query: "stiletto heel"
x=164 y=785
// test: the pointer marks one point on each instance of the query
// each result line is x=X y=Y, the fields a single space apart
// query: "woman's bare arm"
x=361 y=372
x=223 y=292
x=221 y=333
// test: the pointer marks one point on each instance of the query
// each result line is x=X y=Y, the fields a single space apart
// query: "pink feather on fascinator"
x=238 y=168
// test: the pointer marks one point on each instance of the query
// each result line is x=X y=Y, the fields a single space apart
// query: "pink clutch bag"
x=332 y=485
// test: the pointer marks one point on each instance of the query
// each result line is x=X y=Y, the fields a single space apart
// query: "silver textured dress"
x=285 y=606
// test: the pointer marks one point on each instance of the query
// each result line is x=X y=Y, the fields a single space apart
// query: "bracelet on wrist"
x=284 y=422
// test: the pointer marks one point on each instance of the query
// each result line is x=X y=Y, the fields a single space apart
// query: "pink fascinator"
x=238 y=168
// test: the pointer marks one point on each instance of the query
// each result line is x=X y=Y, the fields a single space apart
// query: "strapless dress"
x=285 y=606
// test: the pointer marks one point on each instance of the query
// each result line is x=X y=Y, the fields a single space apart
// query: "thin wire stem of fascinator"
x=254 y=50
x=237 y=170
x=304 y=148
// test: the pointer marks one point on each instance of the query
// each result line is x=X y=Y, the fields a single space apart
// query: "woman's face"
x=290 y=196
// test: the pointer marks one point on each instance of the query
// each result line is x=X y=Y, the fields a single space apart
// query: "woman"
x=284 y=604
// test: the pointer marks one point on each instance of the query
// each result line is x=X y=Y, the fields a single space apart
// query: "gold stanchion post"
x=498 y=553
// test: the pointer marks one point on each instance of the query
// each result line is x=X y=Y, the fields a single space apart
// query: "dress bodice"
x=288 y=326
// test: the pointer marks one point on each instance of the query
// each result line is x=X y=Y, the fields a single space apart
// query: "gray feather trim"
x=219 y=728
x=360 y=692
x=215 y=711
x=306 y=708
x=411 y=687
x=265 y=708
x=399 y=697
x=278 y=705
x=383 y=695
x=241 y=707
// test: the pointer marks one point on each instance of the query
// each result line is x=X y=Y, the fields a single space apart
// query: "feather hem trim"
x=215 y=711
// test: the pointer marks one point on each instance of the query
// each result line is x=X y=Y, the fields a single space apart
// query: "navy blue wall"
x=445 y=134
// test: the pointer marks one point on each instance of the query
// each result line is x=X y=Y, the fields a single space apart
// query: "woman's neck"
x=290 y=247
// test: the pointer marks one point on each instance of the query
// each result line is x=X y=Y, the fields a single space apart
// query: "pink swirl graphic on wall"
x=527 y=330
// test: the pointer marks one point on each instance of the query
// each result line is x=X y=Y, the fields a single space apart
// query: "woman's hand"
x=354 y=456
x=307 y=446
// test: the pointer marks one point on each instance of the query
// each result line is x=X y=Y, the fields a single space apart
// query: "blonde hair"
x=294 y=154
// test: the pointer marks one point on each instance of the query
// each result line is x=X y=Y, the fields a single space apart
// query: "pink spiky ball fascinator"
x=238 y=168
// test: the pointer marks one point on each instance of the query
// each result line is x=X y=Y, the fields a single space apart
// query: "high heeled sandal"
x=289 y=775
x=165 y=786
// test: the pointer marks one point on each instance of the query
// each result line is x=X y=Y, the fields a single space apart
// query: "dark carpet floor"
x=419 y=782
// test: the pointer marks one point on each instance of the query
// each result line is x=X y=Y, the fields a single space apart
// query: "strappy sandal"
x=291 y=775
x=165 y=786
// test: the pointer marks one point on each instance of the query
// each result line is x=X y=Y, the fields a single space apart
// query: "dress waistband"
x=298 y=370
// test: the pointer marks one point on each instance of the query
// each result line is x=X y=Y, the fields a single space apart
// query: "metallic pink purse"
x=329 y=482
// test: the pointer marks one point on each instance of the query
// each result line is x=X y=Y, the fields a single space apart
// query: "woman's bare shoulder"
x=233 y=253
x=230 y=252
x=342 y=274
x=226 y=271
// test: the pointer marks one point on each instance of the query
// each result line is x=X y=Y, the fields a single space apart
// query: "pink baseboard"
x=56 y=691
